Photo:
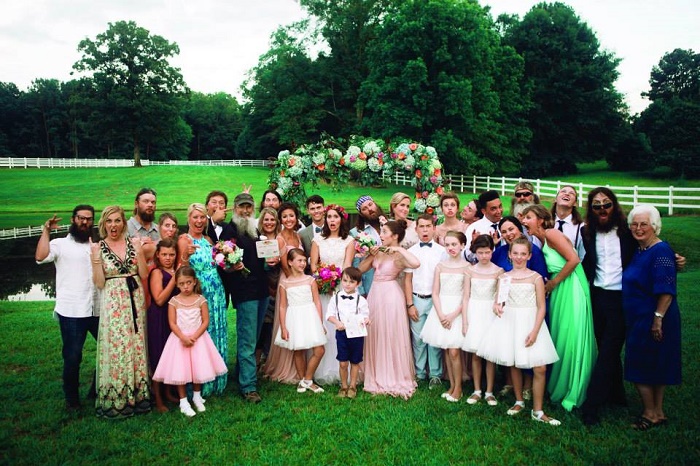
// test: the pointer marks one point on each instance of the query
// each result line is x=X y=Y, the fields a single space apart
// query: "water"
x=21 y=279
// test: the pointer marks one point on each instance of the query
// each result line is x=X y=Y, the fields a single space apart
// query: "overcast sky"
x=220 y=41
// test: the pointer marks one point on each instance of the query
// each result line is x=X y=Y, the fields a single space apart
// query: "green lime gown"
x=571 y=327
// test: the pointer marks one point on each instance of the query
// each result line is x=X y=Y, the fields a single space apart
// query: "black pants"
x=609 y=325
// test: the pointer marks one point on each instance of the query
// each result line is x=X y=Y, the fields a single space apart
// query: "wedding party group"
x=547 y=298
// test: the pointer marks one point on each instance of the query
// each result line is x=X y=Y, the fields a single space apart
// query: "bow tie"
x=428 y=244
x=347 y=297
x=317 y=229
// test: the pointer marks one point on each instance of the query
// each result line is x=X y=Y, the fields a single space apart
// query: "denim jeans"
x=422 y=352
x=249 y=320
x=74 y=331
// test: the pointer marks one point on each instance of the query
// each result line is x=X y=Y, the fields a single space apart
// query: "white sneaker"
x=186 y=409
x=199 y=404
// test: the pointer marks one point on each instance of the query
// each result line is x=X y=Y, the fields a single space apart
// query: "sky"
x=221 y=41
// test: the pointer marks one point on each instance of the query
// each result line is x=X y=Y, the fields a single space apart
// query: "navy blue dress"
x=536 y=262
x=651 y=273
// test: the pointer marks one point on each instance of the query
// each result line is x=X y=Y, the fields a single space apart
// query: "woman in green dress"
x=571 y=319
x=194 y=249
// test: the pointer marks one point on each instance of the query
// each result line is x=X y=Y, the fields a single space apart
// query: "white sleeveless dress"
x=433 y=333
x=303 y=322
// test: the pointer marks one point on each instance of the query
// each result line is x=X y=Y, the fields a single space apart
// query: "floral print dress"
x=123 y=385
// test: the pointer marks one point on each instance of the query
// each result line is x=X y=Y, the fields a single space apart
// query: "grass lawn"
x=289 y=428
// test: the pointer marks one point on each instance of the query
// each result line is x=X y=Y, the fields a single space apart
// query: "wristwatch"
x=659 y=315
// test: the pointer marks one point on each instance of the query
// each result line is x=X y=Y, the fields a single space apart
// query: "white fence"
x=27 y=232
x=668 y=199
x=32 y=162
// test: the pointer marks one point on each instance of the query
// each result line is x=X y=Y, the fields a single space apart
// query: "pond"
x=21 y=279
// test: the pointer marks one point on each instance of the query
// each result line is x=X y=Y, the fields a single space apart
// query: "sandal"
x=516 y=408
x=491 y=400
x=343 y=392
x=301 y=388
x=643 y=424
x=452 y=399
x=445 y=395
x=474 y=397
x=539 y=415
x=352 y=392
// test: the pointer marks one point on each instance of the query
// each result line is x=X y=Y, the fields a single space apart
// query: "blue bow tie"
x=428 y=244
x=317 y=229
x=347 y=297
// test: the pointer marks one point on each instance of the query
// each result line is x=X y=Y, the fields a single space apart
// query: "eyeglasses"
x=642 y=225
x=84 y=219
x=605 y=206
x=523 y=194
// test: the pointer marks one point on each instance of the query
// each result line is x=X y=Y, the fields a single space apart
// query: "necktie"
x=347 y=297
x=317 y=229
x=494 y=226
x=561 y=225
x=428 y=244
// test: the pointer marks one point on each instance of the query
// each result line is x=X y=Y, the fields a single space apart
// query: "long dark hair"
x=617 y=217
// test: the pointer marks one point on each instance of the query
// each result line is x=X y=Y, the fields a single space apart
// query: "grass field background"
x=288 y=428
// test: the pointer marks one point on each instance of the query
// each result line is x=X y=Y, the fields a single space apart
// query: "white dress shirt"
x=347 y=307
x=429 y=258
x=75 y=290
x=483 y=226
x=608 y=270
x=573 y=232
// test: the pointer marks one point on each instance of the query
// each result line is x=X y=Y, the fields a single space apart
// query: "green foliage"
x=576 y=109
x=139 y=92
x=676 y=76
x=439 y=73
x=215 y=120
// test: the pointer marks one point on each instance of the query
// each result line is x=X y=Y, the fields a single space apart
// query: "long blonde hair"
x=109 y=210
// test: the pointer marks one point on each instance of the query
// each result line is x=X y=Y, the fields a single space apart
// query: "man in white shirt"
x=492 y=208
x=567 y=218
x=418 y=288
x=76 y=307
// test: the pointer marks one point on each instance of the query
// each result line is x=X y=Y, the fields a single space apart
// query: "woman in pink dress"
x=388 y=353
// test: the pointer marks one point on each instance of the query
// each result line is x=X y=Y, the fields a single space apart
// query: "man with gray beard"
x=249 y=294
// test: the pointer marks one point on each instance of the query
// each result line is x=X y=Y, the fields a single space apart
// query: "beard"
x=245 y=225
x=146 y=217
x=80 y=235
x=603 y=227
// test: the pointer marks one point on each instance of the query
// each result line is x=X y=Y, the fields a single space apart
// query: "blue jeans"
x=249 y=320
x=74 y=331
x=422 y=352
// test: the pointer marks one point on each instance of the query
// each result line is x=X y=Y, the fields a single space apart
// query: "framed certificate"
x=267 y=248
x=355 y=326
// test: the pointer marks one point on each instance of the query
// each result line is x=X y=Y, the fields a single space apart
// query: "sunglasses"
x=523 y=194
x=607 y=205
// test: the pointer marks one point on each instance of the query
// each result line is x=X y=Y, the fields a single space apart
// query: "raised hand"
x=52 y=223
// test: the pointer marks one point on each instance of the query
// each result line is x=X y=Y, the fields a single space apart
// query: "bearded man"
x=249 y=295
x=369 y=221
x=142 y=225
x=76 y=298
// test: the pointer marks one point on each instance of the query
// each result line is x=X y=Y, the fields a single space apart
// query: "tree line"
x=532 y=96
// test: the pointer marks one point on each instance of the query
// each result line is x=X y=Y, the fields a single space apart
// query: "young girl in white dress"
x=519 y=338
x=189 y=355
x=333 y=246
x=479 y=294
x=301 y=321
x=443 y=326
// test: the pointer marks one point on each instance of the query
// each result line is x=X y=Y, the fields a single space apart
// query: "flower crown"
x=337 y=208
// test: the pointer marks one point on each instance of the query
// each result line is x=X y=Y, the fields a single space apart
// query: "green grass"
x=289 y=428
x=598 y=173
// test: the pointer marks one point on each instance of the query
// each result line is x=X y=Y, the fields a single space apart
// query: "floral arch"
x=368 y=161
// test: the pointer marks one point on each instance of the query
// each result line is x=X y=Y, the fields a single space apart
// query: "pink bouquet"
x=327 y=278
x=227 y=254
x=363 y=242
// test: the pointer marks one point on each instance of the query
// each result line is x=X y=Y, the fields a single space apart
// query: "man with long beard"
x=141 y=224
x=249 y=295
x=369 y=221
x=76 y=307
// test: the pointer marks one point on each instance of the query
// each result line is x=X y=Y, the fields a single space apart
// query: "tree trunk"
x=137 y=152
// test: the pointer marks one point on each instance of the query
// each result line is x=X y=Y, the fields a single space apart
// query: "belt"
x=423 y=296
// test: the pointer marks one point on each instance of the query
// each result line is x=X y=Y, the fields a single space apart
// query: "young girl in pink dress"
x=189 y=355
x=388 y=351
x=300 y=320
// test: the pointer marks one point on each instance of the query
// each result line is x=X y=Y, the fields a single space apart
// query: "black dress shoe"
x=73 y=405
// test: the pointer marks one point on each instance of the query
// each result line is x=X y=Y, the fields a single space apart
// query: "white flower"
x=319 y=158
x=433 y=200
x=430 y=150
x=282 y=154
x=420 y=205
x=403 y=148
x=409 y=162
x=373 y=165
x=371 y=148
x=358 y=165
x=353 y=151
x=219 y=258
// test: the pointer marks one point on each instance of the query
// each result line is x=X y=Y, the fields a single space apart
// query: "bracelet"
x=409 y=306
x=659 y=315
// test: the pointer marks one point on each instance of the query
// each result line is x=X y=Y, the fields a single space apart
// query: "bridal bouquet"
x=327 y=278
x=363 y=242
x=227 y=254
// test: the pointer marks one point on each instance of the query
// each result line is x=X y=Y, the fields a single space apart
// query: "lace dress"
x=330 y=251
x=451 y=290
x=480 y=316
x=302 y=320
x=123 y=385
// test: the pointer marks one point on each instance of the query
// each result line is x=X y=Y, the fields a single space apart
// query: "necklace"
x=650 y=244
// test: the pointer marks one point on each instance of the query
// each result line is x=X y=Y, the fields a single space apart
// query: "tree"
x=46 y=105
x=576 y=109
x=215 y=120
x=139 y=92
x=440 y=75
x=12 y=117
x=676 y=75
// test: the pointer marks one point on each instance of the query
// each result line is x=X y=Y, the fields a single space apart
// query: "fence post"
x=503 y=186
x=580 y=194
x=635 y=195
x=670 y=200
